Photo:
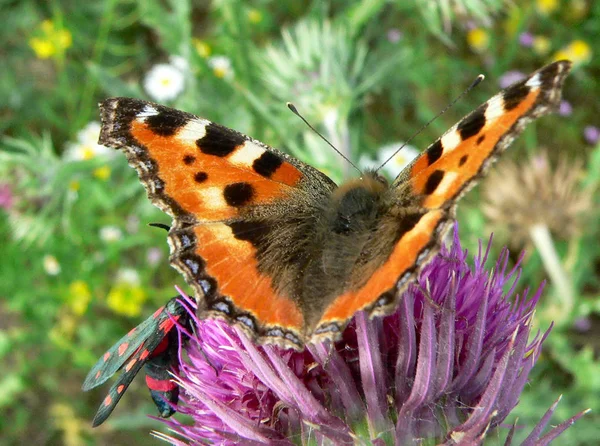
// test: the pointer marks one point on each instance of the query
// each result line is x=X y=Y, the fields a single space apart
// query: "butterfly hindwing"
x=152 y=343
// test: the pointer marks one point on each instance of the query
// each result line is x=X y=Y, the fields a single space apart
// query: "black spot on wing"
x=435 y=152
x=255 y=232
x=219 y=141
x=167 y=122
x=480 y=139
x=267 y=164
x=463 y=160
x=406 y=224
x=200 y=177
x=434 y=181
x=189 y=159
x=472 y=124
x=238 y=194
x=514 y=95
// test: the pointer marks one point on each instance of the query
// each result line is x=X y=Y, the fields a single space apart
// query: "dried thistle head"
x=518 y=196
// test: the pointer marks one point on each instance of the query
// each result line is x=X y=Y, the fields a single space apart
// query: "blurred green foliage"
x=80 y=266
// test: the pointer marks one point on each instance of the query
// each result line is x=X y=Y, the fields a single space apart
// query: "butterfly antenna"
x=476 y=82
x=294 y=110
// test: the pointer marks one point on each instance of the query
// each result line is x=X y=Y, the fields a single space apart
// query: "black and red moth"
x=153 y=344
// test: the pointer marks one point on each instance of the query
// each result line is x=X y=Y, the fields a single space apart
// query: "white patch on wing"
x=193 y=130
x=246 y=154
x=534 y=81
x=494 y=109
x=148 y=111
x=451 y=140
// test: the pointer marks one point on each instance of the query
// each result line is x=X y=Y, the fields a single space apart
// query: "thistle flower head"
x=448 y=365
x=546 y=195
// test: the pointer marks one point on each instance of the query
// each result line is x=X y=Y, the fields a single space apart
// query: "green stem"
x=542 y=239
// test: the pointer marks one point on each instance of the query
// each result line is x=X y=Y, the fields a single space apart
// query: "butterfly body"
x=274 y=246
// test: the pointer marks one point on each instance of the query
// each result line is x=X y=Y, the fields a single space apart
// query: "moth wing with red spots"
x=153 y=344
x=425 y=193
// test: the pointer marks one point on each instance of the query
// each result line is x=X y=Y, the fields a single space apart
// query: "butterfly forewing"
x=450 y=165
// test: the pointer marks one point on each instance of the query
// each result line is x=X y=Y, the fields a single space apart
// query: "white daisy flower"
x=164 y=82
x=51 y=265
x=395 y=165
x=111 y=234
x=180 y=63
x=86 y=147
x=221 y=67
x=128 y=276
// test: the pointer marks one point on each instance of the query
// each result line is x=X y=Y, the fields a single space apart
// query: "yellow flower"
x=254 y=16
x=80 y=297
x=102 y=173
x=478 y=39
x=50 y=41
x=126 y=299
x=577 y=51
x=546 y=7
x=541 y=45
x=581 y=51
x=43 y=49
x=202 y=48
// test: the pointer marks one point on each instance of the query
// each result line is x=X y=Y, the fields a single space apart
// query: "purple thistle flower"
x=448 y=364
x=526 y=39
x=565 y=108
x=591 y=134
x=510 y=77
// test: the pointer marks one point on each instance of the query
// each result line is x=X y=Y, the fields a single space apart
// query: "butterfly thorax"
x=343 y=246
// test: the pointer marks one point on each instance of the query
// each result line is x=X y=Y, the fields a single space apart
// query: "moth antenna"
x=476 y=82
x=160 y=225
x=294 y=110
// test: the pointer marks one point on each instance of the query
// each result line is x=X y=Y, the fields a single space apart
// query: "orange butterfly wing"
x=212 y=180
x=438 y=178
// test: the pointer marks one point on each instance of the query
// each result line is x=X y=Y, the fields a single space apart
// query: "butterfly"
x=273 y=245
